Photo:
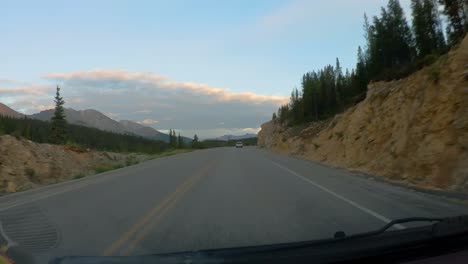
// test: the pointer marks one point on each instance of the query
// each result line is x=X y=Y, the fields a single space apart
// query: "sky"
x=202 y=67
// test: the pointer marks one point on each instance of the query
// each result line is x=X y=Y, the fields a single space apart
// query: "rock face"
x=25 y=164
x=413 y=130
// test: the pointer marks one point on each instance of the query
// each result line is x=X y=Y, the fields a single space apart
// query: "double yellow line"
x=129 y=240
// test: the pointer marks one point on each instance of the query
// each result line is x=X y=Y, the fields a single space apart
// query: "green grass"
x=108 y=167
x=170 y=153
x=79 y=176
x=132 y=160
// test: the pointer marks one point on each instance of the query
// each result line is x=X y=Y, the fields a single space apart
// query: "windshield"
x=141 y=127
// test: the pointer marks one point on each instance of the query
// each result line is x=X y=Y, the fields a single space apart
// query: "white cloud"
x=115 y=78
x=148 y=122
x=112 y=115
x=250 y=130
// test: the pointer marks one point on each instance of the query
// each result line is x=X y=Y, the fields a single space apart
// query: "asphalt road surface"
x=211 y=198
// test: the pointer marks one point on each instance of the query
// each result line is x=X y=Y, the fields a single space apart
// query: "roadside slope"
x=413 y=131
x=25 y=164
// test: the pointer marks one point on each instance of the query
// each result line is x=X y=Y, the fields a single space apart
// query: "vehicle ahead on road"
x=239 y=144
x=444 y=241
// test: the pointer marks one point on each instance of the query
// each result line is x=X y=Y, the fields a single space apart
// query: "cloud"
x=217 y=132
x=112 y=115
x=148 y=122
x=7 y=82
x=45 y=107
x=250 y=130
x=143 y=112
x=116 y=79
x=33 y=90
x=152 y=100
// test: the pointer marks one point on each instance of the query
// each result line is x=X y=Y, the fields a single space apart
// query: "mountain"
x=96 y=119
x=89 y=118
x=7 y=111
x=232 y=137
x=144 y=131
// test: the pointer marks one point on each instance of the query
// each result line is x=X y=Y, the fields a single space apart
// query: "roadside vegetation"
x=392 y=50
x=79 y=138
x=212 y=143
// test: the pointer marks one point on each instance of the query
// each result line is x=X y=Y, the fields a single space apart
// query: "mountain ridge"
x=7 y=111
x=235 y=137
x=95 y=119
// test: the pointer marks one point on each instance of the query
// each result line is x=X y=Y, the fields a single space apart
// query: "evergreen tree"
x=426 y=26
x=339 y=85
x=174 y=139
x=171 y=142
x=80 y=137
x=456 y=11
x=368 y=33
x=180 y=142
x=399 y=49
x=195 y=143
x=361 y=73
x=58 y=130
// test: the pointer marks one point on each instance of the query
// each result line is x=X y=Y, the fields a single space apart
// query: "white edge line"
x=41 y=197
x=344 y=199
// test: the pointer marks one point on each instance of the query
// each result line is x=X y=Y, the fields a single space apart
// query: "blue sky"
x=242 y=47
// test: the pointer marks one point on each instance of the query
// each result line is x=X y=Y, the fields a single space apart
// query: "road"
x=211 y=198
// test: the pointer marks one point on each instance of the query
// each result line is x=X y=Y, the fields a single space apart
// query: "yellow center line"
x=158 y=218
x=112 y=250
x=116 y=245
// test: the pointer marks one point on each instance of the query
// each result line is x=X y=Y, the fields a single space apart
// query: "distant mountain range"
x=233 y=137
x=95 y=119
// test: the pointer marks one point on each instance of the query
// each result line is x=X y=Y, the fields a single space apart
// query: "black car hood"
x=448 y=235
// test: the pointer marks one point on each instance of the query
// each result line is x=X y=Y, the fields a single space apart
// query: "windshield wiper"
x=341 y=234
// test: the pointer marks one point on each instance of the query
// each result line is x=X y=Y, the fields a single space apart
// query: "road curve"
x=205 y=199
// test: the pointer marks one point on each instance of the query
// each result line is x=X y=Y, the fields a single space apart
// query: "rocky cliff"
x=413 y=131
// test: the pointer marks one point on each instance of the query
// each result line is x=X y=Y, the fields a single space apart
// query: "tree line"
x=176 y=141
x=78 y=137
x=393 y=49
x=214 y=143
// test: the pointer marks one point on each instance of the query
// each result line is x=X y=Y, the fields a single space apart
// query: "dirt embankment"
x=413 y=131
x=25 y=164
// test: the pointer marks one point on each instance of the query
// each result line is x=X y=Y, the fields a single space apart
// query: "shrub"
x=30 y=172
x=79 y=176
x=75 y=147
x=131 y=160
x=428 y=60
x=434 y=74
